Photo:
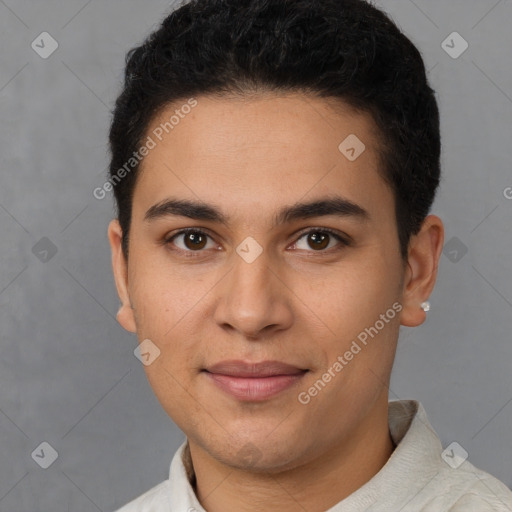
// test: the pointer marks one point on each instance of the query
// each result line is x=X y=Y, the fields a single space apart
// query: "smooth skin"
x=299 y=302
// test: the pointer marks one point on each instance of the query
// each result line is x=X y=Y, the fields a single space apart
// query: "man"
x=274 y=164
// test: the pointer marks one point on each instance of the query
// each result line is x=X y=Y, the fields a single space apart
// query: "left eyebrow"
x=337 y=205
x=198 y=210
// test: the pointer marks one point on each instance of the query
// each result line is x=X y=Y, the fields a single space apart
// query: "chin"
x=259 y=456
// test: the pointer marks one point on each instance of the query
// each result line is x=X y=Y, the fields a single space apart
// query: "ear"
x=421 y=271
x=125 y=314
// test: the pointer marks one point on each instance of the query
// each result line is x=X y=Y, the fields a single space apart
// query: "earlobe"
x=125 y=315
x=420 y=276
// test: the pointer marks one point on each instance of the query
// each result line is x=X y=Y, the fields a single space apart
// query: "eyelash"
x=344 y=241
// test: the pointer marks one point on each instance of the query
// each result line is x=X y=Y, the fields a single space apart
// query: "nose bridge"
x=253 y=298
x=251 y=278
x=252 y=272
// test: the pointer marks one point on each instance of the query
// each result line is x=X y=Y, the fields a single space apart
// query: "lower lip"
x=254 y=389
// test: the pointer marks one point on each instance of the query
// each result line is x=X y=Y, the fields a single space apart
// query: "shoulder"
x=484 y=494
x=443 y=483
x=468 y=489
x=154 y=500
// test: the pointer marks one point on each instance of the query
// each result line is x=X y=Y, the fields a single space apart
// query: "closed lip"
x=239 y=368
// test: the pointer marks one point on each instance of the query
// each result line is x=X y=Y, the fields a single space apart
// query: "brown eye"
x=318 y=240
x=194 y=241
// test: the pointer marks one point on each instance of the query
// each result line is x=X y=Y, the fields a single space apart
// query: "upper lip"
x=237 y=368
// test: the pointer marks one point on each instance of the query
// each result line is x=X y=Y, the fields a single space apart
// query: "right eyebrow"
x=185 y=208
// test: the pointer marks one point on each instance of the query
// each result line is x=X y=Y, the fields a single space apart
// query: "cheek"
x=361 y=309
x=171 y=390
x=163 y=298
x=357 y=295
x=167 y=306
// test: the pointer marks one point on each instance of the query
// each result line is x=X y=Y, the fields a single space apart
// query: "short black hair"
x=341 y=49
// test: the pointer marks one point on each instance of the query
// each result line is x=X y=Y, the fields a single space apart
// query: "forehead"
x=261 y=151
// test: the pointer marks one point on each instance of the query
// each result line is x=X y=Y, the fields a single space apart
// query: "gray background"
x=68 y=375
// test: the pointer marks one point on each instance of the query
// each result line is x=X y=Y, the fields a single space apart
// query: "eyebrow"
x=201 y=211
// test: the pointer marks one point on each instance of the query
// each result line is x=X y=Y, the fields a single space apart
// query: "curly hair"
x=341 y=49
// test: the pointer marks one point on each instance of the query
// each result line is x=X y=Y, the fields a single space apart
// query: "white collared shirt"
x=417 y=477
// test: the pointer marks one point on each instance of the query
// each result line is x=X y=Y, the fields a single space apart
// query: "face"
x=290 y=259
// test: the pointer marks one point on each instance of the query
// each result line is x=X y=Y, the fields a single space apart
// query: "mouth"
x=254 y=382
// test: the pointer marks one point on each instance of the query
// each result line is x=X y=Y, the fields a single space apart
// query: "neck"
x=315 y=485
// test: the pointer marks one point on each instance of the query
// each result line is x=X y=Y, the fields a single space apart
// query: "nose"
x=254 y=298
